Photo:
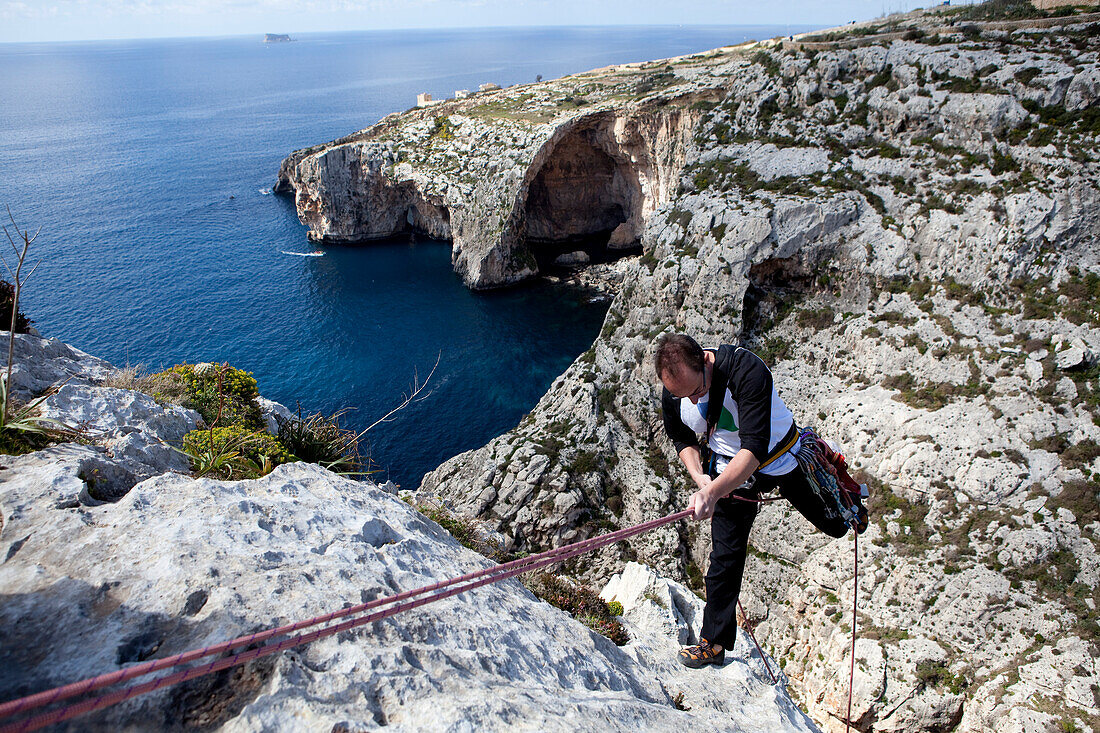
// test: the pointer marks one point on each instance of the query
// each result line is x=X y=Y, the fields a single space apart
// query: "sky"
x=72 y=20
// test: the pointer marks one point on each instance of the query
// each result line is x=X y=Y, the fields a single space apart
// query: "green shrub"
x=442 y=128
x=256 y=452
x=236 y=404
x=21 y=431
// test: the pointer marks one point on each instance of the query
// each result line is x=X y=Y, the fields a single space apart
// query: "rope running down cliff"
x=400 y=602
x=397 y=603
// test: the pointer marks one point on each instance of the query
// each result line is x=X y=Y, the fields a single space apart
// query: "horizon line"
x=420 y=29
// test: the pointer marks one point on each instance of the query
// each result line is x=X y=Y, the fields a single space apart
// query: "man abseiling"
x=726 y=394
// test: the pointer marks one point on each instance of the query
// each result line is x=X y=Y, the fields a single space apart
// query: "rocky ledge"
x=113 y=554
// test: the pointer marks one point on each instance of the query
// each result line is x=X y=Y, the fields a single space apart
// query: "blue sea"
x=148 y=165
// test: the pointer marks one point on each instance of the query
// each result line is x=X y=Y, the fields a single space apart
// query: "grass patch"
x=580 y=601
x=932 y=395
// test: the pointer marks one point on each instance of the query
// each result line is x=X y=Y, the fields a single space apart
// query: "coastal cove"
x=149 y=166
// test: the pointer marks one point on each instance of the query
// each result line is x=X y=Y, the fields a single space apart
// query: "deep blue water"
x=146 y=164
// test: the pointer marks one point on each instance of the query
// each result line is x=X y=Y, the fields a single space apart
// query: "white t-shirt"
x=726 y=441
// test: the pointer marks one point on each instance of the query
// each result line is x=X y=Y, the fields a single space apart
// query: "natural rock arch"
x=583 y=192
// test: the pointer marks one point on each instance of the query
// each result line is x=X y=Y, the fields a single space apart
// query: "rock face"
x=907 y=232
x=105 y=566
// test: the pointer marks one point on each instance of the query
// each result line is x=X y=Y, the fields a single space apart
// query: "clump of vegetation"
x=769 y=62
x=469 y=532
x=234 y=452
x=233 y=444
x=319 y=439
x=580 y=601
x=774 y=350
x=213 y=390
x=888 y=635
x=1076 y=298
x=818 y=319
x=442 y=129
x=17 y=321
x=1080 y=454
x=22 y=430
x=932 y=395
x=882 y=78
x=1080 y=497
x=165 y=387
x=936 y=674
x=885 y=504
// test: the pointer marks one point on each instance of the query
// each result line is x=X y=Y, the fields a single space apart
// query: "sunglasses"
x=699 y=393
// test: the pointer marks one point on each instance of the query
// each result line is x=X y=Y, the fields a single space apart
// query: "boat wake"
x=304 y=254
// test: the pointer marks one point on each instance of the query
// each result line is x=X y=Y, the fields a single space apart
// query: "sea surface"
x=148 y=165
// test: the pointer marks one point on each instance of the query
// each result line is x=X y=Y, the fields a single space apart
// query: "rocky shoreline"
x=903 y=220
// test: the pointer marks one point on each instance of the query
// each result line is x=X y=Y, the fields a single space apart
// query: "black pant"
x=729 y=543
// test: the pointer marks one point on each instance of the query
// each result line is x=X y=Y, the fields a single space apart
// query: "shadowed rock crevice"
x=104 y=481
x=775 y=287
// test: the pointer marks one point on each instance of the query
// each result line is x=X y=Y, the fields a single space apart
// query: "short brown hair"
x=677 y=348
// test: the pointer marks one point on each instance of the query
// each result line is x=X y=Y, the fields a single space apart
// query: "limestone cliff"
x=902 y=218
x=503 y=174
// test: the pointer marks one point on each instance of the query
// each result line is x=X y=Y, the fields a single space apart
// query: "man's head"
x=681 y=366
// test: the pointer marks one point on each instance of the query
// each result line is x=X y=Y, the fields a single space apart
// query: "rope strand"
x=855 y=608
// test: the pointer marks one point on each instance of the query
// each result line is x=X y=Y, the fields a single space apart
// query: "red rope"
x=855 y=607
x=748 y=629
x=453 y=587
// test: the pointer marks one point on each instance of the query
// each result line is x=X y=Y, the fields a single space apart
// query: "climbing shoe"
x=700 y=654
